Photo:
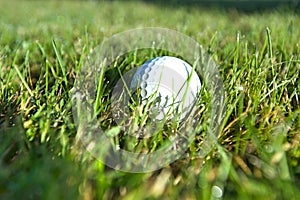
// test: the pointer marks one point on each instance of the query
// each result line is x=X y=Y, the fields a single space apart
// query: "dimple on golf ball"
x=170 y=83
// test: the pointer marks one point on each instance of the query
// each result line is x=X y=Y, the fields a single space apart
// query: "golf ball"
x=170 y=83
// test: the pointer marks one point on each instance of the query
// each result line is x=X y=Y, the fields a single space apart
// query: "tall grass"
x=42 y=46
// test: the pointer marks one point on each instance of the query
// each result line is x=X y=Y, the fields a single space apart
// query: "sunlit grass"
x=42 y=47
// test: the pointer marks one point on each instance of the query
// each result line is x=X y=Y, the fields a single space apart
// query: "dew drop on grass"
x=216 y=191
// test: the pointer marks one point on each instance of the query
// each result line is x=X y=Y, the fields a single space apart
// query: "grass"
x=42 y=47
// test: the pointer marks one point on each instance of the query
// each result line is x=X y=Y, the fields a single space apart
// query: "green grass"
x=42 y=47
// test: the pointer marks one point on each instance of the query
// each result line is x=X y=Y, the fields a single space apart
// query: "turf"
x=42 y=45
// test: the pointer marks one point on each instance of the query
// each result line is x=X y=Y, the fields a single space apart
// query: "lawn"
x=43 y=45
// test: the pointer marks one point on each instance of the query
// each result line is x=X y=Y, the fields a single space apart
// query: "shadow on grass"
x=239 y=5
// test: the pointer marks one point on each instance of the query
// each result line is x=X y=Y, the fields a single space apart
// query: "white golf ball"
x=170 y=83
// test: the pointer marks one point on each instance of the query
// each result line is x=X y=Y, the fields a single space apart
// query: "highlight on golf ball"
x=170 y=83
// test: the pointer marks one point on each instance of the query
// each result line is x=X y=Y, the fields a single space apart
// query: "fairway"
x=253 y=113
